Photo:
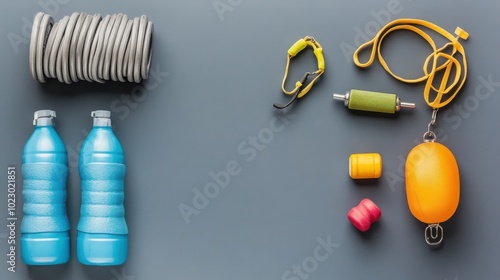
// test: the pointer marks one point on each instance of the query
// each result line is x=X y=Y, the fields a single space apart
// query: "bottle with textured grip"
x=102 y=238
x=45 y=225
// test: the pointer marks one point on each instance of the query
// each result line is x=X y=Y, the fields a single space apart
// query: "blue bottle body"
x=45 y=226
x=102 y=230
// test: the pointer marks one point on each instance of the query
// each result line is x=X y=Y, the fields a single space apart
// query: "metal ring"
x=429 y=136
x=121 y=63
x=110 y=47
x=82 y=34
x=72 y=50
x=138 y=53
x=63 y=64
x=95 y=53
x=58 y=67
x=57 y=44
x=91 y=34
x=132 y=49
x=48 y=49
x=33 y=45
x=116 y=47
x=44 y=30
x=146 y=52
x=105 y=46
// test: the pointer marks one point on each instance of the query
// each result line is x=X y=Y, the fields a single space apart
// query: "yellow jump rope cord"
x=449 y=59
x=293 y=51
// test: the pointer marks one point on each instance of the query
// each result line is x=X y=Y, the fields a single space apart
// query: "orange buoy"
x=432 y=187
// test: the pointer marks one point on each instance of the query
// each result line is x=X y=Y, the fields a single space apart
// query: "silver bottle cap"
x=44 y=117
x=101 y=117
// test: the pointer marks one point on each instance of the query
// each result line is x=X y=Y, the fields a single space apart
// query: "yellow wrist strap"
x=431 y=66
x=300 y=88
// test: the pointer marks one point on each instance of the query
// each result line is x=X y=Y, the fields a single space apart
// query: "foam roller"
x=371 y=101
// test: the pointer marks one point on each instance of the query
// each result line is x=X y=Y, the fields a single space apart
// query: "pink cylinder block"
x=364 y=214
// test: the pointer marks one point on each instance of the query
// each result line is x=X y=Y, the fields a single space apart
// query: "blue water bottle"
x=102 y=231
x=45 y=225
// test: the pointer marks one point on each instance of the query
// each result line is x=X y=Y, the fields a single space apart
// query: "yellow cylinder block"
x=365 y=166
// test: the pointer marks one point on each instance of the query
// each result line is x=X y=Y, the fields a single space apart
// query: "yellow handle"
x=319 y=56
x=431 y=66
x=297 y=47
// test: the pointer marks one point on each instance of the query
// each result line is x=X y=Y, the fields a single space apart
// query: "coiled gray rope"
x=92 y=48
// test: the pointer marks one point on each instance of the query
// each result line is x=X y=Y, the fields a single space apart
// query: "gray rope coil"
x=92 y=48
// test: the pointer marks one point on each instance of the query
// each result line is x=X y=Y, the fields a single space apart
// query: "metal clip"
x=301 y=88
x=312 y=40
x=434 y=232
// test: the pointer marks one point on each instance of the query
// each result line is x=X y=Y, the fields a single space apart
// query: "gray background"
x=224 y=73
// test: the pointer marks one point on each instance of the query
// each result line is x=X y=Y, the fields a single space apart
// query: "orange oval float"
x=432 y=183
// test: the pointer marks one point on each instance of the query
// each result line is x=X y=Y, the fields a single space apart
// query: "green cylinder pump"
x=371 y=101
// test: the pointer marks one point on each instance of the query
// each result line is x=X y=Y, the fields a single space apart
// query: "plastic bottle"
x=45 y=225
x=102 y=231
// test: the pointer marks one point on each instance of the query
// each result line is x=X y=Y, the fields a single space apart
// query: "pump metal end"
x=407 y=105
x=342 y=97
